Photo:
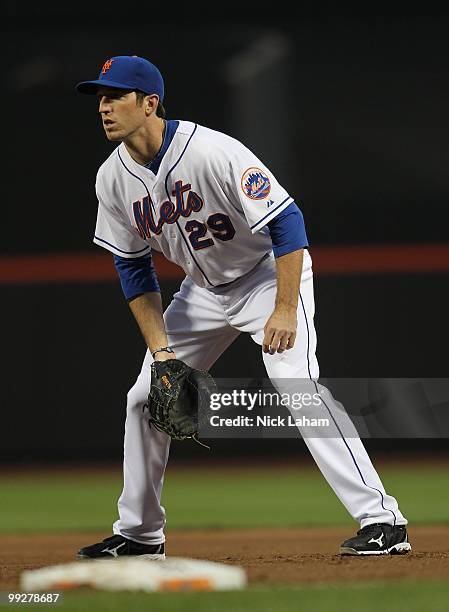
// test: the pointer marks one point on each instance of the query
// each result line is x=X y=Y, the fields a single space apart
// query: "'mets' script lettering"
x=169 y=212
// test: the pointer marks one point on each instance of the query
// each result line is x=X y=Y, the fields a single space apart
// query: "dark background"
x=350 y=112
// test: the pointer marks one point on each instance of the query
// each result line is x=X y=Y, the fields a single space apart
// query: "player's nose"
x=103 y=105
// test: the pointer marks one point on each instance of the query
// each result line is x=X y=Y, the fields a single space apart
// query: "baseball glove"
x=179 y=397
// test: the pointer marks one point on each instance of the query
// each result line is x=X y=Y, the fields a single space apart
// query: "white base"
x=136 y=574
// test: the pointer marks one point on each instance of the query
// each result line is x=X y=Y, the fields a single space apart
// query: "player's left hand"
x=280 y=330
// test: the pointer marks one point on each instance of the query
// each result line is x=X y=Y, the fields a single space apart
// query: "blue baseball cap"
x=127 y=72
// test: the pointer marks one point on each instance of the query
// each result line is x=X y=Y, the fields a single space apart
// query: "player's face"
x=120 y=113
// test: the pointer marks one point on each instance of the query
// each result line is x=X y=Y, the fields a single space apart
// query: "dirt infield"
x=276 y=556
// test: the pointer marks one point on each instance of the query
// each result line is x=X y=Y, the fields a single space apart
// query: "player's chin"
x=113 y=136
x=113 y=133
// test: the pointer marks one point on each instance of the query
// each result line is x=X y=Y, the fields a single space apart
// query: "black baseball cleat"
x=378 y=539
x=118 y=546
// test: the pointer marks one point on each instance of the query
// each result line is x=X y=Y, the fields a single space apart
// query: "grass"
x=212 y=497
x=366 y=597
x=229 y=498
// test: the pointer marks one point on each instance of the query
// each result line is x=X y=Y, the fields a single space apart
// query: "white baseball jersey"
x=206 y=209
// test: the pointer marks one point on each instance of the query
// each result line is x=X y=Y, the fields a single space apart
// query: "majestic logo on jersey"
x=255 y=184
x=106 y=66
x=144 y=210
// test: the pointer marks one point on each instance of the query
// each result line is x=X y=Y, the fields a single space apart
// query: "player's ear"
x=151 y=103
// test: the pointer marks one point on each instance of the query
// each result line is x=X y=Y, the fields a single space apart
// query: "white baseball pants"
x=201 y=324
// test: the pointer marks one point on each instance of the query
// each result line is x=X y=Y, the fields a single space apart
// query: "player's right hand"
x=280 y=331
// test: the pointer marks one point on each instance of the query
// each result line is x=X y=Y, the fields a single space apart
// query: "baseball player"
x=211 y=206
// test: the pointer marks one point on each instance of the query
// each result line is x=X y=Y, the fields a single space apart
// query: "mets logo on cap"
x=106 y=66
x=255 y=184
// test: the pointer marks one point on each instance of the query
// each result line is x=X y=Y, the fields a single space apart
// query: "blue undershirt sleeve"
x=287 y=231
x=137 y=275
